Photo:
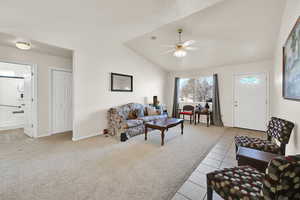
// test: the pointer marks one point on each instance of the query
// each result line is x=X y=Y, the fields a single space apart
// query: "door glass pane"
x=249 y=80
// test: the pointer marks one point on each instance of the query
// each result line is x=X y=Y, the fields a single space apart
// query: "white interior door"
x=11 y=116
x=251 y=101
x=61 y=101
x=27 y=105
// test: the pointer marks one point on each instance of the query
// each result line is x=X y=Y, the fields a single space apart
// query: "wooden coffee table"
x=255 y=158
x=163 y=125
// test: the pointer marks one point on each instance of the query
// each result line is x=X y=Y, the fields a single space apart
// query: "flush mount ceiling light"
x=23 y=45
x=180 y=49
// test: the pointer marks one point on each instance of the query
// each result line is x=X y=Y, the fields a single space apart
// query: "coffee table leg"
x=207 y=120
x=162 y=137
x=146 y=131
x=182 y=128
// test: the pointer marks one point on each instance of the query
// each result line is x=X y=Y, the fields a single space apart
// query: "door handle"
x=11 y=106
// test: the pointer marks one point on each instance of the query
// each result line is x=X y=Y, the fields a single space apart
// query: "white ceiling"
x=230 y=32
x=68 y=23
x=10 y=41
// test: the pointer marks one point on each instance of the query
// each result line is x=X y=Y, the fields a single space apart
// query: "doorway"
x=251 y=100
x=61 y=117
x=18 y=98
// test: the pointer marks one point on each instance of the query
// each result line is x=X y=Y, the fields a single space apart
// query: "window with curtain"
x=194 y=90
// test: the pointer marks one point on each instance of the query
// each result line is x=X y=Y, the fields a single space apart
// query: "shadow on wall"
x=92 y=125
x=146 y=100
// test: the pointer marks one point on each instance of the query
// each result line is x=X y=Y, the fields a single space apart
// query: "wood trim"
x=112 y=84
x=284 y=62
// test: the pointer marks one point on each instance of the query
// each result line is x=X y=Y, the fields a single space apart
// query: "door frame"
x=267 y=74
x=34 y=85
x=51 y=70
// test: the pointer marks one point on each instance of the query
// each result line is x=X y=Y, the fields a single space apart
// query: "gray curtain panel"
x=175 y=98
x=216 y=110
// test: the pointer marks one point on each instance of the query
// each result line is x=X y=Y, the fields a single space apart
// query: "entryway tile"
x=198 y=178
x=192 y=191
x=204 y=169
x=179 y=197
x=215 y=156
x=215 y=197
x=227 y=165
x=211 y=162
x=219 y=151
x=230 y=160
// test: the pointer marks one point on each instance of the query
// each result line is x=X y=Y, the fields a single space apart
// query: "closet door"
x=61 y=101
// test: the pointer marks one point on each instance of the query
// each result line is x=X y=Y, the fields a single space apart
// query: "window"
x=193 y=90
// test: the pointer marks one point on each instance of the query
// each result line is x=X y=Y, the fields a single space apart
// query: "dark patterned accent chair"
x=278 y=129
x=187 y=110
x=280 y=182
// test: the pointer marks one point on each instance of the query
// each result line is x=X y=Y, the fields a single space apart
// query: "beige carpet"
x=101 y=168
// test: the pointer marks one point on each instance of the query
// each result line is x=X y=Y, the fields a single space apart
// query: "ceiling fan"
x=180 y=49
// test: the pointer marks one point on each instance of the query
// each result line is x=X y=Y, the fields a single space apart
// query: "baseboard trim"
x=85 y=137
x=10 y=127
x=228 y=125
x=44 y=135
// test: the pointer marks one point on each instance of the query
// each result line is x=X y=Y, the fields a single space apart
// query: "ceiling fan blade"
x=188 y=43
x=191 y=48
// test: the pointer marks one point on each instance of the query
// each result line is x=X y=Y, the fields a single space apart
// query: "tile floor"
x=222 y=155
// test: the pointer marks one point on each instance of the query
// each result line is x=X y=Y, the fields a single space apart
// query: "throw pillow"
x=140 y=112
x=151 y=111
x=132 y=114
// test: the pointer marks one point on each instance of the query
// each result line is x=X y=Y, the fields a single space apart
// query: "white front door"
x=27 y=103
x=61 y=101
x=251 y=101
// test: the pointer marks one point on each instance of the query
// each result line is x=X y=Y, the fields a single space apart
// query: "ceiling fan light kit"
x=179 y=53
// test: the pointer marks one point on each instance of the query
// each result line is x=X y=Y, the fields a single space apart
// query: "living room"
x=103 y=37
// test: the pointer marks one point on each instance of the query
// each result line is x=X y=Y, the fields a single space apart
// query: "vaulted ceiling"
x=91 y=22
x=230 y=32
x=227 y=31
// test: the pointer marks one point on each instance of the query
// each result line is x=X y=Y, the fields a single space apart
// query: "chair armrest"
x=281 y=175
x=117 y=123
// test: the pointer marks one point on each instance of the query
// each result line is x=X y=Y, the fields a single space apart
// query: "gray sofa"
x=119 y=122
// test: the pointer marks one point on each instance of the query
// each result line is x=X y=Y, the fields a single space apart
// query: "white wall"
x=92 y=95
x=43 y=62
x=225 y=74
x=286 y=109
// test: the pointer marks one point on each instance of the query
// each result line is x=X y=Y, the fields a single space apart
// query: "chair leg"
x=209 y=192
x=282 y=148
x=190 y=119
x=236 y=151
